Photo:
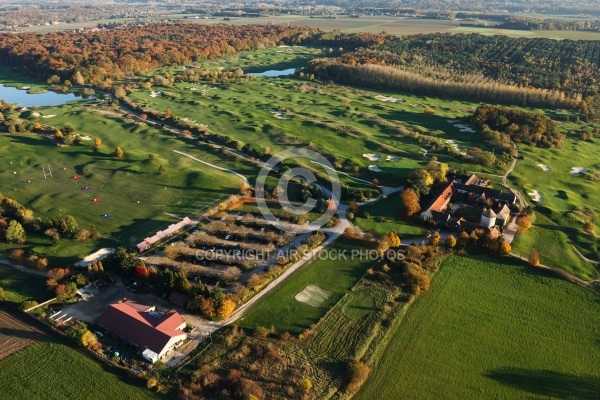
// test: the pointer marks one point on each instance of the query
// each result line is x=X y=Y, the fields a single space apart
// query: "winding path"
x=244 y=179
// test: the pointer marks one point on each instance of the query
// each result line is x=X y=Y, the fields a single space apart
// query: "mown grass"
x=279 y=308
x=130 y=190
x=387 y=208
x=562 y=192
x=19 y=286
x=553 y=246
x=47 y=370
x=491 y=327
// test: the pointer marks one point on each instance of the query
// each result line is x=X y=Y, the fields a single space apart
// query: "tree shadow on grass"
x=548 y=383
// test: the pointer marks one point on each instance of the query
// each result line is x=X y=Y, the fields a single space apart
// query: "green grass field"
x=388 y=208
x=491 y=328
x=562 y=193
x=554 y=249
x=281 y=310
x=19 y=286
x=344 y=121
x=129 y=189
x=47 y=370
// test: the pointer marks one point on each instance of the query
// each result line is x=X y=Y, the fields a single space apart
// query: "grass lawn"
x=491 y=328
x=280 y=309
x=562 y=193
x=552 y=244
x=129 y=189
x=47 y=370
x=387 y=208
x=19 y=286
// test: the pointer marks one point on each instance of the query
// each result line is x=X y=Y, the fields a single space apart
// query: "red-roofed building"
x=155 y=333
x=440 y=202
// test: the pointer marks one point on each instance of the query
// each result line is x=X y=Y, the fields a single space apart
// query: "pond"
x=13 y=95
x=274 y=72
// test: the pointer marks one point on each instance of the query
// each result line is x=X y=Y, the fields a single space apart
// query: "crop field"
x=47 y=370
x=492 y=327
x=15 y=335
x=281 y=310
x=19 y=286
x=132 y=199
x=357 y=315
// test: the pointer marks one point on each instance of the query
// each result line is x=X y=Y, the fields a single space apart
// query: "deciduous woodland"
x=114 y=54
x=540 y=72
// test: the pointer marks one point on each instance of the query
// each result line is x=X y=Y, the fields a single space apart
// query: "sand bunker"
x=578 y=171
x=535 y=196
x=277 y=114
x=392 y=158
x=372 y=157
x=544 y=167
x=313 y=295
x=464 y=128
x=36 y=114
x=85 y=137
x=155 y=94
x=455 y=145
x=389 y=99
x=452 y=121
x=49 y=116
x=374 y=168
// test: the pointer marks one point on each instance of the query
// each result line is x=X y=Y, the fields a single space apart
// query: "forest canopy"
x=123 y=52
x=520 y=126
x=540 y=72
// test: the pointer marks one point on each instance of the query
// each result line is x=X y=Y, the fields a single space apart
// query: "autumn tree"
x=142 y=271
x=15 y=232
x=534 y=258
x=421 y=181
x=94 y=233
x=588 y=227
x=410 y=202
x=435 y=238
x=524 y=223
x=118 y=152
x=97 y=143
x=82 y=235
x=161 y=170
x=89 y=340
x=226 y=309
x=2 y=295
x=450 y=241
x=78 y=78
x=505 y=248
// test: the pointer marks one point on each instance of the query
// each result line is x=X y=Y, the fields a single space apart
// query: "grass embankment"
x=489 y=326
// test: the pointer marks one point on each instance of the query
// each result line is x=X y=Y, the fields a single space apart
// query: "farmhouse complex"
x=142 y=326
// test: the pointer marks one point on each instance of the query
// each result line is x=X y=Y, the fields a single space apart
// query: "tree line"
x=538 y=71
x=99 y=57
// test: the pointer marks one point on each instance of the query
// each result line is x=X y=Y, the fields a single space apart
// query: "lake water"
x=14 y=95
x=275 y=72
